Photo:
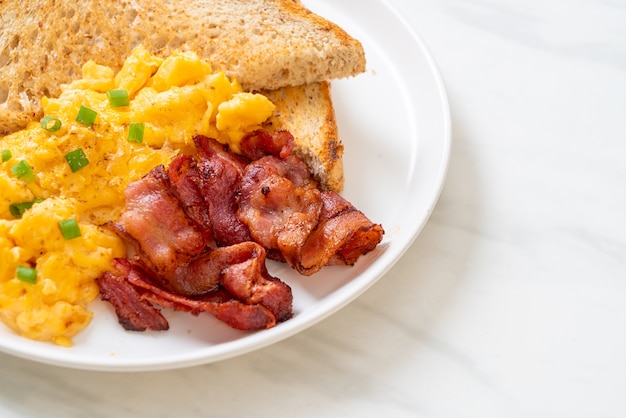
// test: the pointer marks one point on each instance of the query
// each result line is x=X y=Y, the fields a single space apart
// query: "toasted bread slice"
x=307 y=112
x=264 y=44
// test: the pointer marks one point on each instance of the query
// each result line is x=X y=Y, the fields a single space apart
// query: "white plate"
x=394 y=121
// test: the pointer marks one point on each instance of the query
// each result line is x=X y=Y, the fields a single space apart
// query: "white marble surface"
x=512 y=301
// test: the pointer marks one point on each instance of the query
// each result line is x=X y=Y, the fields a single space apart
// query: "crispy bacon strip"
x=241 y=270
x=184 y=175
x=342 y=236
x=218 y=303
x=219 y=177
x=296 y=222
x=157 y=226
x=134 y=313
x=208 y=147
x=259 y=143
x=246 y=277
x=222 y=305
x=279 y=215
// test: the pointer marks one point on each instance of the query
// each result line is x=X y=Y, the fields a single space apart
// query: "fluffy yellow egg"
x=235 y=115
x=75 y=168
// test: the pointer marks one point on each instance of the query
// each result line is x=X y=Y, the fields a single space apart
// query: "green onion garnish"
x=18 y=209
x=76 y=159
x=69 y=228
x=23 y=171
x=135 y=132
x=118 y=98
x=86 y=116
x=45 y=123
x=26 y=274
x=6 y=155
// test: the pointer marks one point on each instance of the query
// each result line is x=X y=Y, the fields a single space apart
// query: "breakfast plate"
x=395 y=124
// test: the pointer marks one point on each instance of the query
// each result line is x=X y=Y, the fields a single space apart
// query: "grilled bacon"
x=133 y=282
x=184 y=175
x=259 y=143
x=202 y=228
x=297 y=223
x=279 y=214
x=219 y=175
x=134 y=312
x=343 y=234
x=156 y=225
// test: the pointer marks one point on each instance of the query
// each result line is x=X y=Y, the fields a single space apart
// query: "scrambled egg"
x=62 y=169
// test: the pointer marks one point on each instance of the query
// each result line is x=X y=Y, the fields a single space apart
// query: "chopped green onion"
x=76 y=159
x=135 y=132
x=86 y=116
x=18 y=209
x=6 y=155
x=118 y=98
x=23 y=171
x=69 y=228
x=26 y=274
x=45 y=123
